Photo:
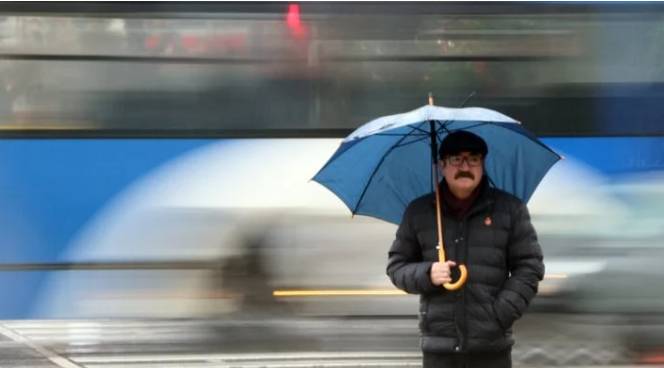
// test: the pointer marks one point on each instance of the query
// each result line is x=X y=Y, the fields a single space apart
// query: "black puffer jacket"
x=498 y=244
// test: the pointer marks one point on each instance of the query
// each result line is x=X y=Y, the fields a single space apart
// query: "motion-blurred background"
x=155 y=163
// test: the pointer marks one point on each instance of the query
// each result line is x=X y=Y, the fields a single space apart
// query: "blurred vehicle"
x=154 y=161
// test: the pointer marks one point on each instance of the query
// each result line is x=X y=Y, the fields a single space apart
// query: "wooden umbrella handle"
x=459 y=283
x=462 y=268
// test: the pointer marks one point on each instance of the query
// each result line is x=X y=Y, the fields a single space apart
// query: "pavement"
x=312 y=342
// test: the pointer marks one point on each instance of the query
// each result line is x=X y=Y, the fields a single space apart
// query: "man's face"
x=463 y=171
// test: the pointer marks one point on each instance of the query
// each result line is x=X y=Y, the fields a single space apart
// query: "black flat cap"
x=460 y=141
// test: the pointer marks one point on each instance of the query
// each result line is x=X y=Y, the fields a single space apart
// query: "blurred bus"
x=160 y=154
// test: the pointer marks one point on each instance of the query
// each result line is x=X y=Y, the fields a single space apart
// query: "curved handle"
x=459 y=283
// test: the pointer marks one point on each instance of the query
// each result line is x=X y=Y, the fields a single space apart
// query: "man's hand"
x=441 y=273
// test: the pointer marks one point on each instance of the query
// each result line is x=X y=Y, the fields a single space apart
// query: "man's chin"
x=464 y=184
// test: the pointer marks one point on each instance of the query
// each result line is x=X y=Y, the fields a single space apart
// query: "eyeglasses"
x=472 y=160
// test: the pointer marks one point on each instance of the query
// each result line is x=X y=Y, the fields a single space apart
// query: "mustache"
x=464 y=174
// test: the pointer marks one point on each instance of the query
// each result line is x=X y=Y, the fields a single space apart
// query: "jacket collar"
x=483 y=200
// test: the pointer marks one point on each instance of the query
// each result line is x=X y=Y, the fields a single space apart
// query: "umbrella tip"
x=430 y=98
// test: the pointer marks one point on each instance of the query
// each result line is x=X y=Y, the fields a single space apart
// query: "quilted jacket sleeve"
x=405 y=266
x=526 y=268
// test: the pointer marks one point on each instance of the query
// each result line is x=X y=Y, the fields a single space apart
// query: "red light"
x=293 y=17
x=655 y=357
x=293 y=20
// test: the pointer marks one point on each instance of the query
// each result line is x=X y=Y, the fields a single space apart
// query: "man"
x=490 y=232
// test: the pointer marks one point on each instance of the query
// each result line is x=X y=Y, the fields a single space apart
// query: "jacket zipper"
x=464 y=244
x=463 y=331
x=461 y=327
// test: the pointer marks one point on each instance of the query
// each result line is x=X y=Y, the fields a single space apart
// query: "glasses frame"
x=465 y=159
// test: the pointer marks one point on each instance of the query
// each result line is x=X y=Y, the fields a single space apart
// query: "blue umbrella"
x=386 y=163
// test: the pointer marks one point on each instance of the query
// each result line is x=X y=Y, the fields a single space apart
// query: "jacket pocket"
x=486 y=302
x=495 y=316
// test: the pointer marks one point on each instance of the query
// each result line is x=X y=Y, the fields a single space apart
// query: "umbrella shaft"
x=434 y=176
x=439 y=215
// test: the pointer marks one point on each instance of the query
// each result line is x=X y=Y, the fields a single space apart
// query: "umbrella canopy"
x=386 y=163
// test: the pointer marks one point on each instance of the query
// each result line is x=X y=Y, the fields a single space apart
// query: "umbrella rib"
x=421 y=130
x=395 y=135
x=423 y=137
x=382 y=159
x=413 y=128
x=411 y=142
x=479 y=125
x=444 y=126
